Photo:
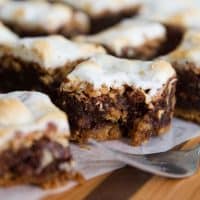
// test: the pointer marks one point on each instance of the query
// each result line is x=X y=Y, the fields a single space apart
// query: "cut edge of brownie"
x=117 y=113
x=187 y=92
x=16 y=74
x=41 y=158
x=157 y=121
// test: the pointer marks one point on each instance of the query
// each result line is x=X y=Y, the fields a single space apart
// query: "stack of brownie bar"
x=109 y=65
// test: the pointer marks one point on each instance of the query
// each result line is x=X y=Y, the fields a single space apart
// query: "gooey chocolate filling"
x=188 y=89
x=27 y=162
x=16 y=74
x=108 y=19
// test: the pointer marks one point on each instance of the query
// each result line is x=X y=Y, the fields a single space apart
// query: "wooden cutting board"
x=130 y=183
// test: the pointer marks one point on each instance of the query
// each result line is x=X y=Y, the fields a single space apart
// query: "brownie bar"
x=188 y=92
x=186 y=63
x=177 y=16
x=41 y=63
x=106 y=101
x=105 y=13
x=132 y=38
x=34 y=145
x=16 y=74
x=177 y=13
x=34 y=18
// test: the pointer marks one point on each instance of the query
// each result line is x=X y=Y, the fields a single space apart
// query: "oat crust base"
x=53 y=182
x=105 y=133
x=190 y=115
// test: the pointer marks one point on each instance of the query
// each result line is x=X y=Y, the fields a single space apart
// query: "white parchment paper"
x=93 y=161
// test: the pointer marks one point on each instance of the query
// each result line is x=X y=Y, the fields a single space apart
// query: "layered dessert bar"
x=104 y=13
x=34 y=146
x=40 y=63
x=132 y=38
x=39 y=18
x=186 y=61
x=168 y=12
x=176 y=15
x=108 y=97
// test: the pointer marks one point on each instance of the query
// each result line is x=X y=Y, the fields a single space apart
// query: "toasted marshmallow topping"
x=35 y=14
x=26 y=112
x=99 y=7
x=6 y=35
x=176 y=12
x=188 y=19
x=9 y=109
x=129 y=33
x=51 y=51
x=112 y=72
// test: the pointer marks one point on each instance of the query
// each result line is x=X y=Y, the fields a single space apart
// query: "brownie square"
x=40 y=63
x=185 y=60
x=179 y=14
x=104 y=13
x=132 y=38
x=34 y=147
x=39 y=18
x=168 y=12
x=107 y=97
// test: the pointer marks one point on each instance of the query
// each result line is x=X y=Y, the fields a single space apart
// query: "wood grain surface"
x=130 y=183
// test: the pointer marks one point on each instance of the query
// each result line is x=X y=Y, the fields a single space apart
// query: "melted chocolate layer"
x=188 y=88
x=28 y=161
